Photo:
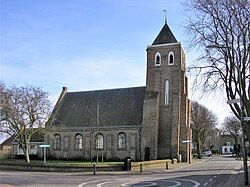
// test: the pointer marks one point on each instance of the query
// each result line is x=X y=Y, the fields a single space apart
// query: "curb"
x=117 y=169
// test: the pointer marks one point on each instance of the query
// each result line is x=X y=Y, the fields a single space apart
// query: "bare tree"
x=232 y=126
x=203 y=123
x=23 y=112
x=212 y=137
x=221 y=29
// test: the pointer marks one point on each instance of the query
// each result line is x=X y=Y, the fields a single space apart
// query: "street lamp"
x=242 y=119
x=189 y=151
x=234 y=101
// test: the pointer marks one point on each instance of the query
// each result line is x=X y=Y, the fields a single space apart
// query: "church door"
x=147 y=154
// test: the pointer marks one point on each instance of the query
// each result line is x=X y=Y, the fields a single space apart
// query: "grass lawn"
x=81 y=163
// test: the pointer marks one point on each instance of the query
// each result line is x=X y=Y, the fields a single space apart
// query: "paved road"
x=216 y=171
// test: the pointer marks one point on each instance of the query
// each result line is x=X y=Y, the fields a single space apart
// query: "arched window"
x=57 y=142
x=78 y=141
x=157 y=59
x=122 y=140
x=171 y=58
x=99 y=141
x=166 y=92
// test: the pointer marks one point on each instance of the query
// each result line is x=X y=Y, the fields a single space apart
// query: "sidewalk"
x=171 y=167
x=237 y=180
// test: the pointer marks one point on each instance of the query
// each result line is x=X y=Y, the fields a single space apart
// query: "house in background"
x=34 y=149
x=227 y=149
x=226 y=144
x=5 y=148
x=6 y=145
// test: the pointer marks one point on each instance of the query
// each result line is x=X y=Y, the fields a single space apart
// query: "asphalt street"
x=215 y=171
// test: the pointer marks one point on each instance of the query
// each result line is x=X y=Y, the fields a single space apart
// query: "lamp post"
x=234 y=101
x=243 y=130
x=189 y=151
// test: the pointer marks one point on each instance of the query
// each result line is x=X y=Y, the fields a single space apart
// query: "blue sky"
x=86 y=45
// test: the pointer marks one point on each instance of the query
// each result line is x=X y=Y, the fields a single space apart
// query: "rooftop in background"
x=7 y=142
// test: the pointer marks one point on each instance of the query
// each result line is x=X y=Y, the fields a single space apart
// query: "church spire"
x=165 y=36
x=165 y=13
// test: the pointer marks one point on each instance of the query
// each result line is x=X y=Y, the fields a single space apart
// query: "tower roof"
x=165 y=36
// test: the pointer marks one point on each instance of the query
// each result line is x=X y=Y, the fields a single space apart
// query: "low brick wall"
x=174 y=161
x=5 y=153
x=49 y=167
x=152 y=163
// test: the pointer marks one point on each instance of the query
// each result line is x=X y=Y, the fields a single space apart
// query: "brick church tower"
x=166 y=106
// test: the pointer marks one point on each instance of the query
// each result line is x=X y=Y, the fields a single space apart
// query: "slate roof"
x=7 y=142
x=165 y=36
x=38 y=136
x=117 y=107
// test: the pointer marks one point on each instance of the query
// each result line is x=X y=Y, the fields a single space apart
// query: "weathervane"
x=165 y=16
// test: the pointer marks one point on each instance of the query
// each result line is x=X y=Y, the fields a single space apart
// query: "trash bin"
x=127 y=164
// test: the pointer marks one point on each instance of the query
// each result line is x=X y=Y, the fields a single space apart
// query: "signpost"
x=233 y=101
x=189 y=153
x=247 y=118
x=44 y=146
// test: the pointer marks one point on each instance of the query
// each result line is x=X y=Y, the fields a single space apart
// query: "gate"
x=147 y=154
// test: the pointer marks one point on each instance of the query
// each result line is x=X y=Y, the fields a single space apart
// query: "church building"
x=144 y=123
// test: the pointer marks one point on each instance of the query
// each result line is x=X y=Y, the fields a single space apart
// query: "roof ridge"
x=108 y=89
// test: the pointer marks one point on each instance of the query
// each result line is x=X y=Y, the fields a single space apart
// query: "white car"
x=207 y=153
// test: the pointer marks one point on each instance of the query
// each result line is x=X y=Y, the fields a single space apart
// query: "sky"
x=88 y=45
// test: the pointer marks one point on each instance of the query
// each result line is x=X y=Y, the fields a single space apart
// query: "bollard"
x=94 y=169
x=166 y=165
x=140 y=167
x=190 y=161
x=180 y=158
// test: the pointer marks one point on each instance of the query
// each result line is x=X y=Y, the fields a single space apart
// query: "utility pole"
x=243 y=129
x=90 y=142
x=244 y=152
x=97 y=130
x=242 y=108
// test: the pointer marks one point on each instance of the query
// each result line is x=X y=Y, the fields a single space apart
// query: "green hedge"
x=38 y=165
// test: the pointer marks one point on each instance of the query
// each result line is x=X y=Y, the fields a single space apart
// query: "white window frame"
x=169 y=54
x=57 y=143
x=78 y=141
x=166 y=94
x=122 y=140
x=156 y=55
x=33 y=149
x=99 y=141
x=19 y=150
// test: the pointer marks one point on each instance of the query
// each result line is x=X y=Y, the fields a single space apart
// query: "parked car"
x=207 y=153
